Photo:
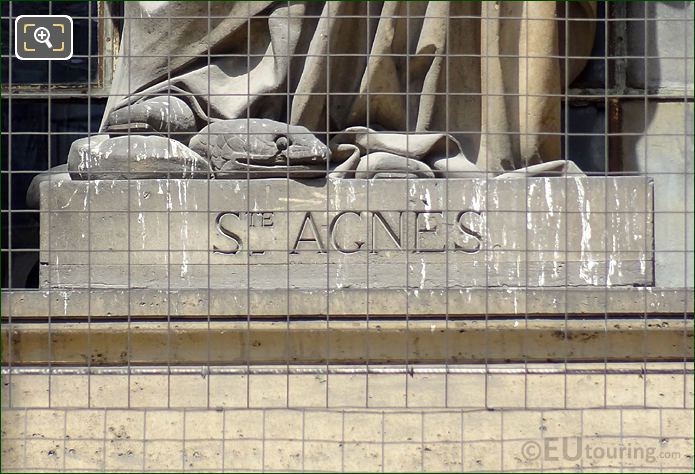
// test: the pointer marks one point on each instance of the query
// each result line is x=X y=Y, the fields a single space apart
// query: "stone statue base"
x=419 y=234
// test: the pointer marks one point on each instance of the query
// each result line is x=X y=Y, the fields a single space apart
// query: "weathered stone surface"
x=346 y=303
x=199 y=433
x=134 y=157
x=419 y=234
x=183 y=429
x=149 y=304
x=529 y=385
x=399 y=341
x=55 y=174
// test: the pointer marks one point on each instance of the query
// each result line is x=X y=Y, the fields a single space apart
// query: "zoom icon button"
x=43 y=37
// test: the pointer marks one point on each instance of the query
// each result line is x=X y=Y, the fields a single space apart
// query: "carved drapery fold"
x=489 y=74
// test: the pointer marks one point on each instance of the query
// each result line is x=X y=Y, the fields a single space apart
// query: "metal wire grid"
x=566 y=112
x=566 y=96
x=610 y=93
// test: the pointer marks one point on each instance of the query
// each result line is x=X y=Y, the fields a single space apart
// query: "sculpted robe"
x=485 y=77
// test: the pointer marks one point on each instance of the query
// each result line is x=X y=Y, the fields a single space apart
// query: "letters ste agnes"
x=353 y=231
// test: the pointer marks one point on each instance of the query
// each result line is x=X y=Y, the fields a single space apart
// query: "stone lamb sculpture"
x=263 y=148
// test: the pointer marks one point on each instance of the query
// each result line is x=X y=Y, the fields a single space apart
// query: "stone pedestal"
x=379 y=234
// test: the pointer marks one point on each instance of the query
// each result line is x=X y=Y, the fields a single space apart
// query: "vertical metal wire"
x=463 y=437
x=523 y=138
x=144 y=442
x=65 y=439
x=367 y=335
x=287 y=188
x=263 y=440
x=565 y=107
x=606 y=221
x=342 y=441
x=247 y=333
x=48 y=140
x=208 y=255
x=409 y=127
x=446 y=292
x=10 y=323
x=103 y=440
x=89 y=213
x=407 y=237
x=127 y=24
x=647 y=170
x=581 y=426
x=542 y=430
x=26 y=431
x=689 y=177
x=224 y=412
x=170 y=206
x=622 y=428
x=327 y=135
x=183 y=442
x=485 y=132
x=422 y=441
x=383 y=441
x=303 y=439
x=502 y=441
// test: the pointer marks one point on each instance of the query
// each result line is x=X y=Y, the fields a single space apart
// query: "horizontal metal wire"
x=338 y=370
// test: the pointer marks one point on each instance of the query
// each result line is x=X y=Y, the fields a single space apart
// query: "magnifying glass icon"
x=42 y=35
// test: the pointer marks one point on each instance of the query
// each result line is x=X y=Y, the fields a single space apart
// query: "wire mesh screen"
x=347 y=236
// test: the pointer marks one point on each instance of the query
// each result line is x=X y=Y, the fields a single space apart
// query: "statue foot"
x=543 y=170
x=387 y=165
x=164 y=115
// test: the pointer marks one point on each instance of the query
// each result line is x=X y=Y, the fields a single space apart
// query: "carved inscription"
x=352 y=231
x=223 y=229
